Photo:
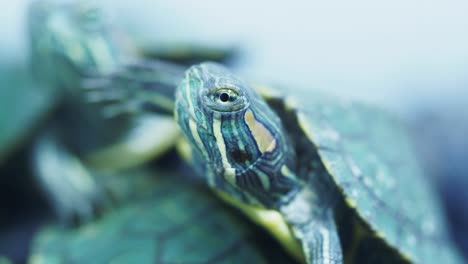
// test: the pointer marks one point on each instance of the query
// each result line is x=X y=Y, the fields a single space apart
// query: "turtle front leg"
x=320 y=242
x=74 y=192
x=316 y=230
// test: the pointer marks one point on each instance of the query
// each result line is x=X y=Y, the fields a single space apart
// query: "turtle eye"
x=225 y=99
x=225 y=96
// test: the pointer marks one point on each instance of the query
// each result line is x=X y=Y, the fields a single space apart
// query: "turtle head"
x=69 y=40
x=235 y=136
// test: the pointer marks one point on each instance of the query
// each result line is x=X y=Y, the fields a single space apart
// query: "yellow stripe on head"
x=265 y=140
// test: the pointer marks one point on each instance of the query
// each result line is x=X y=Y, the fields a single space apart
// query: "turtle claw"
x=84 y=208
x=75 y=192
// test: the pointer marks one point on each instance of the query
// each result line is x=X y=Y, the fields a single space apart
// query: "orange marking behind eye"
x=266 y=142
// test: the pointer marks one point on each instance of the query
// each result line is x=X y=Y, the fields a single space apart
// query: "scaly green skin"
x=343 y=175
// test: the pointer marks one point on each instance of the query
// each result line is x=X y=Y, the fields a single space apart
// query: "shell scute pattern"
x=368 y=153
x=169 y=222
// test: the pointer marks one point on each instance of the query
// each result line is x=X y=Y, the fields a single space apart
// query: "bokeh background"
x=409 y=57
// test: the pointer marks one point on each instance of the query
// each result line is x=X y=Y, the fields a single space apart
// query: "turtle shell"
x=170 y=220
x=369 y=155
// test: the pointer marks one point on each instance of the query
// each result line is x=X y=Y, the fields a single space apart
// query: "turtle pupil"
x=224 y=97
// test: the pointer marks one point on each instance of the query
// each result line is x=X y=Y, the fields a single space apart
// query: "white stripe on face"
x=229 y=172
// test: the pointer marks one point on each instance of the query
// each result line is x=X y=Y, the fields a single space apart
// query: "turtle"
x=70 y=43
x=58 y=166
x=168 y=218
x=313 y=173
x=332 y=179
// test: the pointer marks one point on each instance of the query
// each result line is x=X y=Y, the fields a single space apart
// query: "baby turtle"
x=340 y=176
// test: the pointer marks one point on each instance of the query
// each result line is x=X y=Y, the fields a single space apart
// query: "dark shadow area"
x=443 y=145
x=23 y=208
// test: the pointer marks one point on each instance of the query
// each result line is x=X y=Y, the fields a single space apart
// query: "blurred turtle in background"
x=69 y=43
x=74 y=49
